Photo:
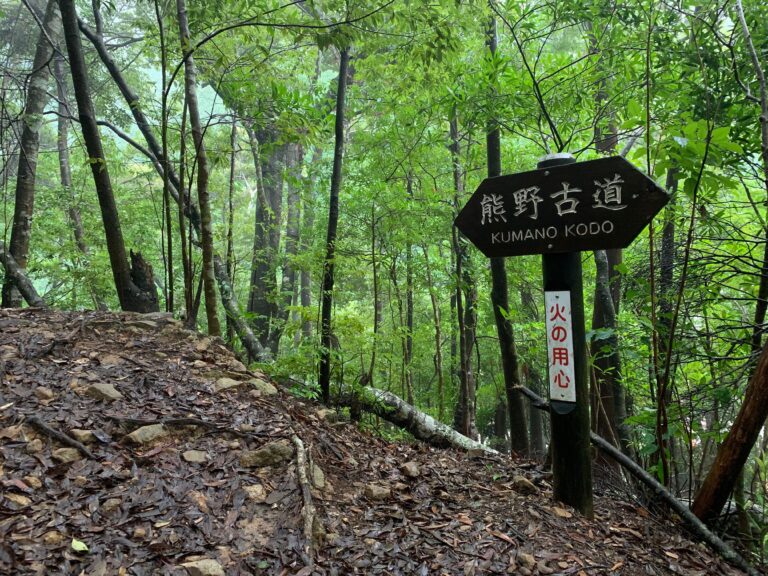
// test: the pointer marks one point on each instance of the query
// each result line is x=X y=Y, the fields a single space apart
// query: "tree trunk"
x=206 y=225
x=135 y=286
x=518 y=427
x=408 y=351
x=734 y=451
x=293 y=166
x=330 y=243
x=438 y=336
x=231 y=219
x=607 y=364
x=37 y=98
x=20 y=280
x=262 y=299
x=306 y=243
x=464 y=416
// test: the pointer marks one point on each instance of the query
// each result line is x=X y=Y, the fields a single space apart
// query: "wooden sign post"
x=558 y=211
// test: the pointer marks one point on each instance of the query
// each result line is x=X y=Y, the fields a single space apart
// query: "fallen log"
x=20 y=279
x=422 y=426
x=695 y=525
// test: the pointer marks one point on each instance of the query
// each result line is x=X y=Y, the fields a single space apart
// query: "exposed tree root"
x=41 y=426
x=308 y=510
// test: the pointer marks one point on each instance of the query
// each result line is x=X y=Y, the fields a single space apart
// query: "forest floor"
x=187 y=464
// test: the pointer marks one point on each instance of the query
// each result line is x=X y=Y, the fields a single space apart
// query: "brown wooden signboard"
x=593 y=205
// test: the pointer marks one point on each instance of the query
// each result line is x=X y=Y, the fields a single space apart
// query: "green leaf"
x=78 y=546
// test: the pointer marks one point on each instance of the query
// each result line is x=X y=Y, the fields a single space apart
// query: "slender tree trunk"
x=333 y=221
x=408 y=351
x=518 y=427
x=464 y=417
x=206 y=225
x=262 y=299
x=231 y=219
x=293 y=166
x=17 y=274
x=306 y=243
x=134 y=282
x=438 y=337
x=37 y=98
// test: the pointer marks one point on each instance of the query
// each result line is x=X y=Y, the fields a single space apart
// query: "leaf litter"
x=186 y=500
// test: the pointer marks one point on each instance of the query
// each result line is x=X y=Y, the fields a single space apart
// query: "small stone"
x=236 y=366
x=255 y=493
x=376 y=492
x=522 y=485
x=19 y=499
x=80 y=481
x=33 y=482
x=195 y=456
x=234 y=445
x=83 y=436
x=205 y=567
x=199 y=364
x=102 y=391
x=273 y=454
x=200 y=501
x=226 y=384
x=53 y=538
x=318 y=477
x=400 y=487
x=203 y=344
x=67 y=455
x=139 y=533
x=147 y=434
x=527 y=560
x=410 y=469
x=110 y=505
x=263 y=386
x=328 y=415
x=247 y=428
x=44 y=393
x=34 y=446
x=109 y=360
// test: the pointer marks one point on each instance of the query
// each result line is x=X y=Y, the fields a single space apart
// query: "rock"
x=102 y=391
x=139 y=533
x=328 y=415
x=226 y=384
x=34 y=446
x=83 y=436
x=19 y=499
x=205 y=567
x=109 y=360
x=110 y=505
x=44 y=393
x=247 y=428
x=263 y=386
x=147 y=434
x=255 y=493
x=410 y=469
x=203 y=344
x=80 y=481
x=67 y=455
x=318 y=477
x=522 y=485
x=273 y=454
x=199 y=364
x=33 y=482
x=53 y=538
x=195 y=456
x=200 y=501
x=236 y=366
x=526 y=560
x=376 y=492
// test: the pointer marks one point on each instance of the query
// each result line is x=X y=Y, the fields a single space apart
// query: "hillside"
x=216 y=486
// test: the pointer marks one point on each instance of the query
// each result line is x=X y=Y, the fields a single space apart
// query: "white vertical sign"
x=562 y=376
